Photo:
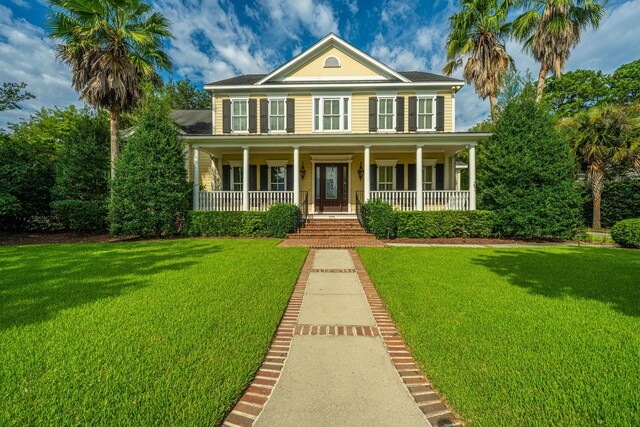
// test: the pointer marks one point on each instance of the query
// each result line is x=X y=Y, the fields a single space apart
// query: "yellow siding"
x=303 y=113
x=349 y=67
x=447 y=110
x=360 y=112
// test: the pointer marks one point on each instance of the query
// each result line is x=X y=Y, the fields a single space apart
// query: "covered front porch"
x=325 y=178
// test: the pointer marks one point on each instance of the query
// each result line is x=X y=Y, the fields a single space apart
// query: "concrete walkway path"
x=343 y=365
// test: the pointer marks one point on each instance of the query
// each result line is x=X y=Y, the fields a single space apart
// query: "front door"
x=332 y=187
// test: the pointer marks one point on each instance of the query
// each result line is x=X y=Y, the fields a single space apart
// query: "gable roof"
x=194 y=122
x=331 y=40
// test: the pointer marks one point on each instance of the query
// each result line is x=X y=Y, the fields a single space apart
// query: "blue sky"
x=216 y=39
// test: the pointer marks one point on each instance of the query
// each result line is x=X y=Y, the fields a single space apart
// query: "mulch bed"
x=469 y=241
x=11 y=239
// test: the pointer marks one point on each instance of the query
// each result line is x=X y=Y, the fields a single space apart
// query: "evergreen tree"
x=528 y=173
x=150 y=192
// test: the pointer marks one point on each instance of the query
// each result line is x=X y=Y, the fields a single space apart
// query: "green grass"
x=149 y=333
x=521 y=337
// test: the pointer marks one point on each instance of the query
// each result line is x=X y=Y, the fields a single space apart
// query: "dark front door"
x=332 y=187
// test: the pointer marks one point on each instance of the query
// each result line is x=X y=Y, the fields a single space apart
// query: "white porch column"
x=196 y=177
x=367 y=173
x=454 y=171
x=472 y=177
x=419 y=193
x=245 y=178
x=296 y=175
x=219 y=178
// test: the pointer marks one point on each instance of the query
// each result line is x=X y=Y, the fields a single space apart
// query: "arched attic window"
x=331 y=62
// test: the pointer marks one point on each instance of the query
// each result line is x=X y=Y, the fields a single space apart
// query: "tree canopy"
x=11 y=94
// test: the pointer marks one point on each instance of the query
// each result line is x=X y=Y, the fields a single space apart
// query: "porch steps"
x=332 y=233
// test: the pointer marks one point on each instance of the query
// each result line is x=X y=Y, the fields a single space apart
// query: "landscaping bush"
x=527 y=173
x=150 y=192
x=620 y=200
x=81 y=215
x=426 y=225
x=379 y=219
x=626 y=233
x=283 y=218
x=233 y=224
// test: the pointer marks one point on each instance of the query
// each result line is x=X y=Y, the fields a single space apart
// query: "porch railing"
x=446 y=200
x=262 y=200
x=400 y=200
x=220 y=200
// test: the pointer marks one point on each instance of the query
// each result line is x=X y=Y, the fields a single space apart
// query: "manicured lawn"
x=521 y=337
x=148 y=333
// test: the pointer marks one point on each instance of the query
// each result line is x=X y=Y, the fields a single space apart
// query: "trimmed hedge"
x=626 y=233
x=81 y=215
x=440 y=224
x=379 y=219
x=283 y=218
x=620 y=200
x=232 y=224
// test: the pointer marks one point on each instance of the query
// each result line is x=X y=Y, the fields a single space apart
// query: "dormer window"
x=331 y=62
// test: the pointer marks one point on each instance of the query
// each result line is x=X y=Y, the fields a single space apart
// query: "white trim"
x=324 y=63
x=453 y=111
x=277 y=163
x=235 y=163
x=332 y=78
x=331 y=39
x=400 y=86
x=328 y=158
x=386 y=162
x=321 y=99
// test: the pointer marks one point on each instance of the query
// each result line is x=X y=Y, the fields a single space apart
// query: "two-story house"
x=329 y=129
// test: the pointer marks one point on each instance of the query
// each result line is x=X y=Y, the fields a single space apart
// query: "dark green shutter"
x=439 y=176
x=291 y=114
x=373 y=177
x=264 y=178
x=290 y=177
x=226 y=116
x=253 y=178
x=413 y=116
x=264 y=115
x=440 y=113
x=411 y=177
x=400 y=114
x=373 y=114
x=253 y=116
x=226 y=178
x=400 y=177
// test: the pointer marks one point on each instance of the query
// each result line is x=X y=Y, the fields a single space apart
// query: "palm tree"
x=604 y=137
x=477 y=33
x=551 y=28
x=112 y=46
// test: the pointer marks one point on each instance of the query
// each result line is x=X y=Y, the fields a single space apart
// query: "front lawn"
x=148 y=333
x=526 y=337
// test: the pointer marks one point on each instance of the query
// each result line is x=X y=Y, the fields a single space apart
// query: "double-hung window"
x=277 y=115
x=386 y=113
x=236 y=176
x=429 y=175
x=239 y=115
x=386 y=175
x=331 y=114
x=426 y=113
x=277 y=175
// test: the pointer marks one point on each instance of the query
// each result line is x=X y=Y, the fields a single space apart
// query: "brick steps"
x=332 y=233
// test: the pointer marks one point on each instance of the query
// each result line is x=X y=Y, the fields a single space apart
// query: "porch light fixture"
x=360 y=172
x=303 y=172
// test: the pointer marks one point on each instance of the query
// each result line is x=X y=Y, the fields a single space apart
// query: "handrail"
x=304 y=208
x=359 y=207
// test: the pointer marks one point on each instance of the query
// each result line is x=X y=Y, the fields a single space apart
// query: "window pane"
x=346 y=113
x=421 y=105
x=316 y=118
x=428 y=122
x=429 y=105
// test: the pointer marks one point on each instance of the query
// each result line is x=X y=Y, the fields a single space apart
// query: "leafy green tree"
x=577 y=91
x=186 y=96
x=150 y=192
x=551 y=28
x=604 y=137
x=11 y=94
x=625 y=83
x=112 y=46
x=477 y=33
x=527 y=174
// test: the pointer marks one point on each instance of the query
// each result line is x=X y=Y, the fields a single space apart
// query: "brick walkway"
x=334 y=243
x=338 y=359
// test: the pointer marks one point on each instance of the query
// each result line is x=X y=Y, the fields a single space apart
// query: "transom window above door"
x=239 y=115
x=331 y=114
x=386 y=113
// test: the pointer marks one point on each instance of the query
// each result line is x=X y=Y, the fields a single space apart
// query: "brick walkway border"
x=334 y=242
x=256 y=395
x=427 y=398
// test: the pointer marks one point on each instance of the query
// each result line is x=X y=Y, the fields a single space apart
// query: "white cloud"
x=27 y=55
x=292 y=17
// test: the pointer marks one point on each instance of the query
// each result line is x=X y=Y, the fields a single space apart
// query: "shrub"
x=620 y=200
x=283 y=218
x=150 y=192
x=233 y=224
x=527 y=173
x=626 y=233
x=379 y=218
x=81 y=215
x=425 y=225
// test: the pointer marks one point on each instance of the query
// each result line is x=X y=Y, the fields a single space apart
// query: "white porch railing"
x=262 y=200
x=400 y=200
x=439 y=200
x=220 y=200
x=446 y=200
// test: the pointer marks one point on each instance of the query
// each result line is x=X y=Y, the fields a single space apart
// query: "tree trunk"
x=115 y=138
x=493 y=102
x=541 y=78
x=597 y=184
